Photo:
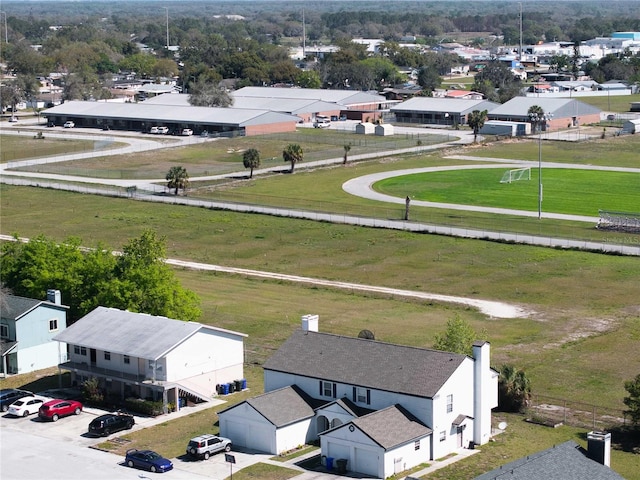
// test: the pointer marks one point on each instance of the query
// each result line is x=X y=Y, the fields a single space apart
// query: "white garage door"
x=236 y=432
x=258 y=438
x=366 y=461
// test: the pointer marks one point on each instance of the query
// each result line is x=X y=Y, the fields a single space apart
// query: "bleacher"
x=619 y=221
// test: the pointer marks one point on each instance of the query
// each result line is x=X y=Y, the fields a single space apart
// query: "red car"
x=54 y=409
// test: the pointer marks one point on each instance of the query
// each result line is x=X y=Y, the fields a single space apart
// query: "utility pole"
x=520 y=51
x=167 y=10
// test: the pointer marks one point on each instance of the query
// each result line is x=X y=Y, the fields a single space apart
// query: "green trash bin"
x=341 y=465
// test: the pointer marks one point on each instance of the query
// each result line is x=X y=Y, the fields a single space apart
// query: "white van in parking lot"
x=322 y=121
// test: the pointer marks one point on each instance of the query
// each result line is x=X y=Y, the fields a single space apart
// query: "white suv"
x=206 y=445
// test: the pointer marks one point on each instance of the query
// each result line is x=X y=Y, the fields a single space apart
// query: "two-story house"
x=383 y=407
x=152 y=357
x=27 y=328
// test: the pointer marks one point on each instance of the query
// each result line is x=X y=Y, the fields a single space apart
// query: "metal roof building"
x=142 y=116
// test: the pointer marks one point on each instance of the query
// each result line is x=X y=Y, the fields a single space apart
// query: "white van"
x=322 y=121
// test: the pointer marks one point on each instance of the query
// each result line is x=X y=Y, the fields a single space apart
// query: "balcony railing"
x=88 y=369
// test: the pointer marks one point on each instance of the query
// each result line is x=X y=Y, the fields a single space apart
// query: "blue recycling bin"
x=225 y=389
x=329 y=463
x=244 y=383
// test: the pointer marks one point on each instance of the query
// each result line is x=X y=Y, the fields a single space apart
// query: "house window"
x=127 y=360
x=449 y=403
x=53 y=324
x=327 y=389
x=362 y=395
x=443 y=435
x=416 y=445
x=107 y=355
x=4 y=331
x=78 y=350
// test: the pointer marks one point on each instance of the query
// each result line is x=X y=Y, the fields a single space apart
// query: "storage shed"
x=384 y=129
x=365 y=128
x=631 y=126
x=501 y=127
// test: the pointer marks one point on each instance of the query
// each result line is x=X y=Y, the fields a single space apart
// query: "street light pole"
x=539 y=120
x=167 y=11
x=6 y=34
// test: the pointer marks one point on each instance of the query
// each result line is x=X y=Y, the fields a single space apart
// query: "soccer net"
x=516 y=174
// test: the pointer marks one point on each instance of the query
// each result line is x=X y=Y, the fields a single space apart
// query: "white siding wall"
x=460 y=385
x=292 y=436
x=37 y=357
x=206 y=351
x=407 y=457
x=419 y=407
x=247 y=428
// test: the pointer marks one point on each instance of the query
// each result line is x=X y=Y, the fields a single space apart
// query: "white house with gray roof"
x=380 y=406
x=146 y=356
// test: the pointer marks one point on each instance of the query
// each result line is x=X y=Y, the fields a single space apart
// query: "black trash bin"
x=341 y=465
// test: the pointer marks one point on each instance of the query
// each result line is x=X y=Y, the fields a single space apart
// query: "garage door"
x=236 y=431
x=260 y=440
x=367 y=462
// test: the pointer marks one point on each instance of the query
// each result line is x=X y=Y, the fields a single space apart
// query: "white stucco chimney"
x=310 y=323
x=54 y=296
x=483 y=396
x=599 y=447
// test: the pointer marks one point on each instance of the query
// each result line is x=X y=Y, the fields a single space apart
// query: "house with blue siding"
x=27 y=328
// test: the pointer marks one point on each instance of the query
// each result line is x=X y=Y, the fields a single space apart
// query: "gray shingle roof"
x=566 y=461
x=365 y=363
x=283 y=406
x=391 y=427
x=134 y=334
x=15 y=307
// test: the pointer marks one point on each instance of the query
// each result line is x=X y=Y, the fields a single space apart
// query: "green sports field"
x=568 y=191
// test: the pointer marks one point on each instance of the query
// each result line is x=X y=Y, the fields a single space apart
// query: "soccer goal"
x=516 y=174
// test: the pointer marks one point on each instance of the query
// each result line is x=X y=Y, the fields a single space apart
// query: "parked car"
x=55 y=409
x=107 y=424
x=153 y=130
x=68 y=393
x=10 y=395
x=187 y=132
x=147 y=459
x=26 y=405
x=163 y=130
x=69 y=124
x=206 y=445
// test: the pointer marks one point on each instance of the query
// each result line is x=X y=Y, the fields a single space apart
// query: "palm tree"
x=293 y=154
x=347 y=147
x=476 y=122
x=177 y=178
x=251 y=159
x=536 y=115
x=514 y=389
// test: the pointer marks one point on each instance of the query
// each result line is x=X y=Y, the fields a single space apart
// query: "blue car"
x=147 y=459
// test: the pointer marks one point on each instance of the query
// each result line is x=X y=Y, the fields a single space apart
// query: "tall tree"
x=476 y=122
x=177 y=178
x=209 y=94
x=514 y=389
x=251 y=159
x=633 y=400
x=458 y=337
x=293 y=154
x=347 y=148
x=138 y=280
x=536 y=115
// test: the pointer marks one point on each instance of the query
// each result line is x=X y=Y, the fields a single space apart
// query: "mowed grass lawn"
x=569 y=191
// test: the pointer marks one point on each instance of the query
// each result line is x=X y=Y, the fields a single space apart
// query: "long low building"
x=142 y=117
